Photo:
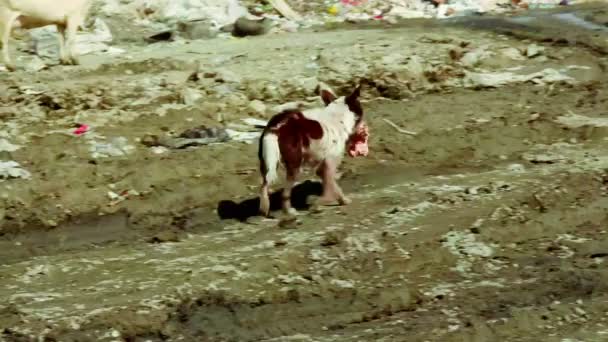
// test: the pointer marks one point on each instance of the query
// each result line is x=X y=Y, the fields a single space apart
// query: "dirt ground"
x=489 y=224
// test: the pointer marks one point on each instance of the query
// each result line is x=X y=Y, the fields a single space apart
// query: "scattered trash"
x=575 y=121
x=34 y=64
x=81 y=129
x=246 y=137
x=117 y=147
x=164 y=12
x=117 y=198
x=34 y=272
x=190 y=96
x=257 y=123
x=543 y=158
x=196 y=136
x=6 y=146
x=159 y=149
x=257 y=106
x=512 y=53
x=196 y=29
x=333 y=9
x=202 y=132
x=28 y=90
x=534 y=50
x=473 y=57
x=399 y=129
x=251 y=27
x=282 y=7
x=12 y=169
x=497 y=79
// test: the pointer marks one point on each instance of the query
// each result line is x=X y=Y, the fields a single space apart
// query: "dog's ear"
x=352 y=101
x=327 y=95
x=354 y=96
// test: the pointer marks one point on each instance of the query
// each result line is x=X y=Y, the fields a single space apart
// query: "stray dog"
x=315 y=138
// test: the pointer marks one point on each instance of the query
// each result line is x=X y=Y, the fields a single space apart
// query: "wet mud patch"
x=565 y=26
x=225 y=319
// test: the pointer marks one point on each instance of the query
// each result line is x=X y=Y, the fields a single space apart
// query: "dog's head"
x=350 y=106
x=349 y=103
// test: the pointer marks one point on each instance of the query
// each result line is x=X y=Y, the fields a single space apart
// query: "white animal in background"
x=67 y=15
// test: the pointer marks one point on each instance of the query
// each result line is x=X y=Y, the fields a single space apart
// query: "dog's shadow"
x=228 y=209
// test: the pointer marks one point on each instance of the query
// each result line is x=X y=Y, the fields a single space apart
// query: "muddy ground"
x=488 y=225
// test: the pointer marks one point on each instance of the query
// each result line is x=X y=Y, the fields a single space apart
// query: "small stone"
x=472 y=191
x=512 y=53
x=516 y=168
x=150 y=140
x=190 y=96
x=227 y=76
x=35 y=64
x=289 y=222
x=257 y=106
x=247 y=27
x=164 y=236
x=534 y=50
x=196 y=29
x=332 y=238
x=456 y=53
x=474 y=57
x=159 y=149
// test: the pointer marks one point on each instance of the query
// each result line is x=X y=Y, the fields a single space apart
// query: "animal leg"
x=331 y=190
x=264 y=200
x=73 y=23
x=5 y=30
x=63 y=56
x=292 y=177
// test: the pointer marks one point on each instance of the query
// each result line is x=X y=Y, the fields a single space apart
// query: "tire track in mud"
x=305 y=279
x=481 y=140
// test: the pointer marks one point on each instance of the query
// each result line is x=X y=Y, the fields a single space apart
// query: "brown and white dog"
x=315 y=138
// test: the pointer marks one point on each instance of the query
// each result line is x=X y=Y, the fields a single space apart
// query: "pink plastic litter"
x=357 y=145
x=352 y=2
x=82 y=129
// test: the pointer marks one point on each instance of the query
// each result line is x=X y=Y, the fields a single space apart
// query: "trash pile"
x=204 y=19
x=159 y=12
x=355 y=10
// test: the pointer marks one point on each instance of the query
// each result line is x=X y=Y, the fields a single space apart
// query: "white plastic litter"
x=12 y=169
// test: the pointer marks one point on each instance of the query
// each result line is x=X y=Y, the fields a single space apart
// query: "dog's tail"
x=269 y=154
